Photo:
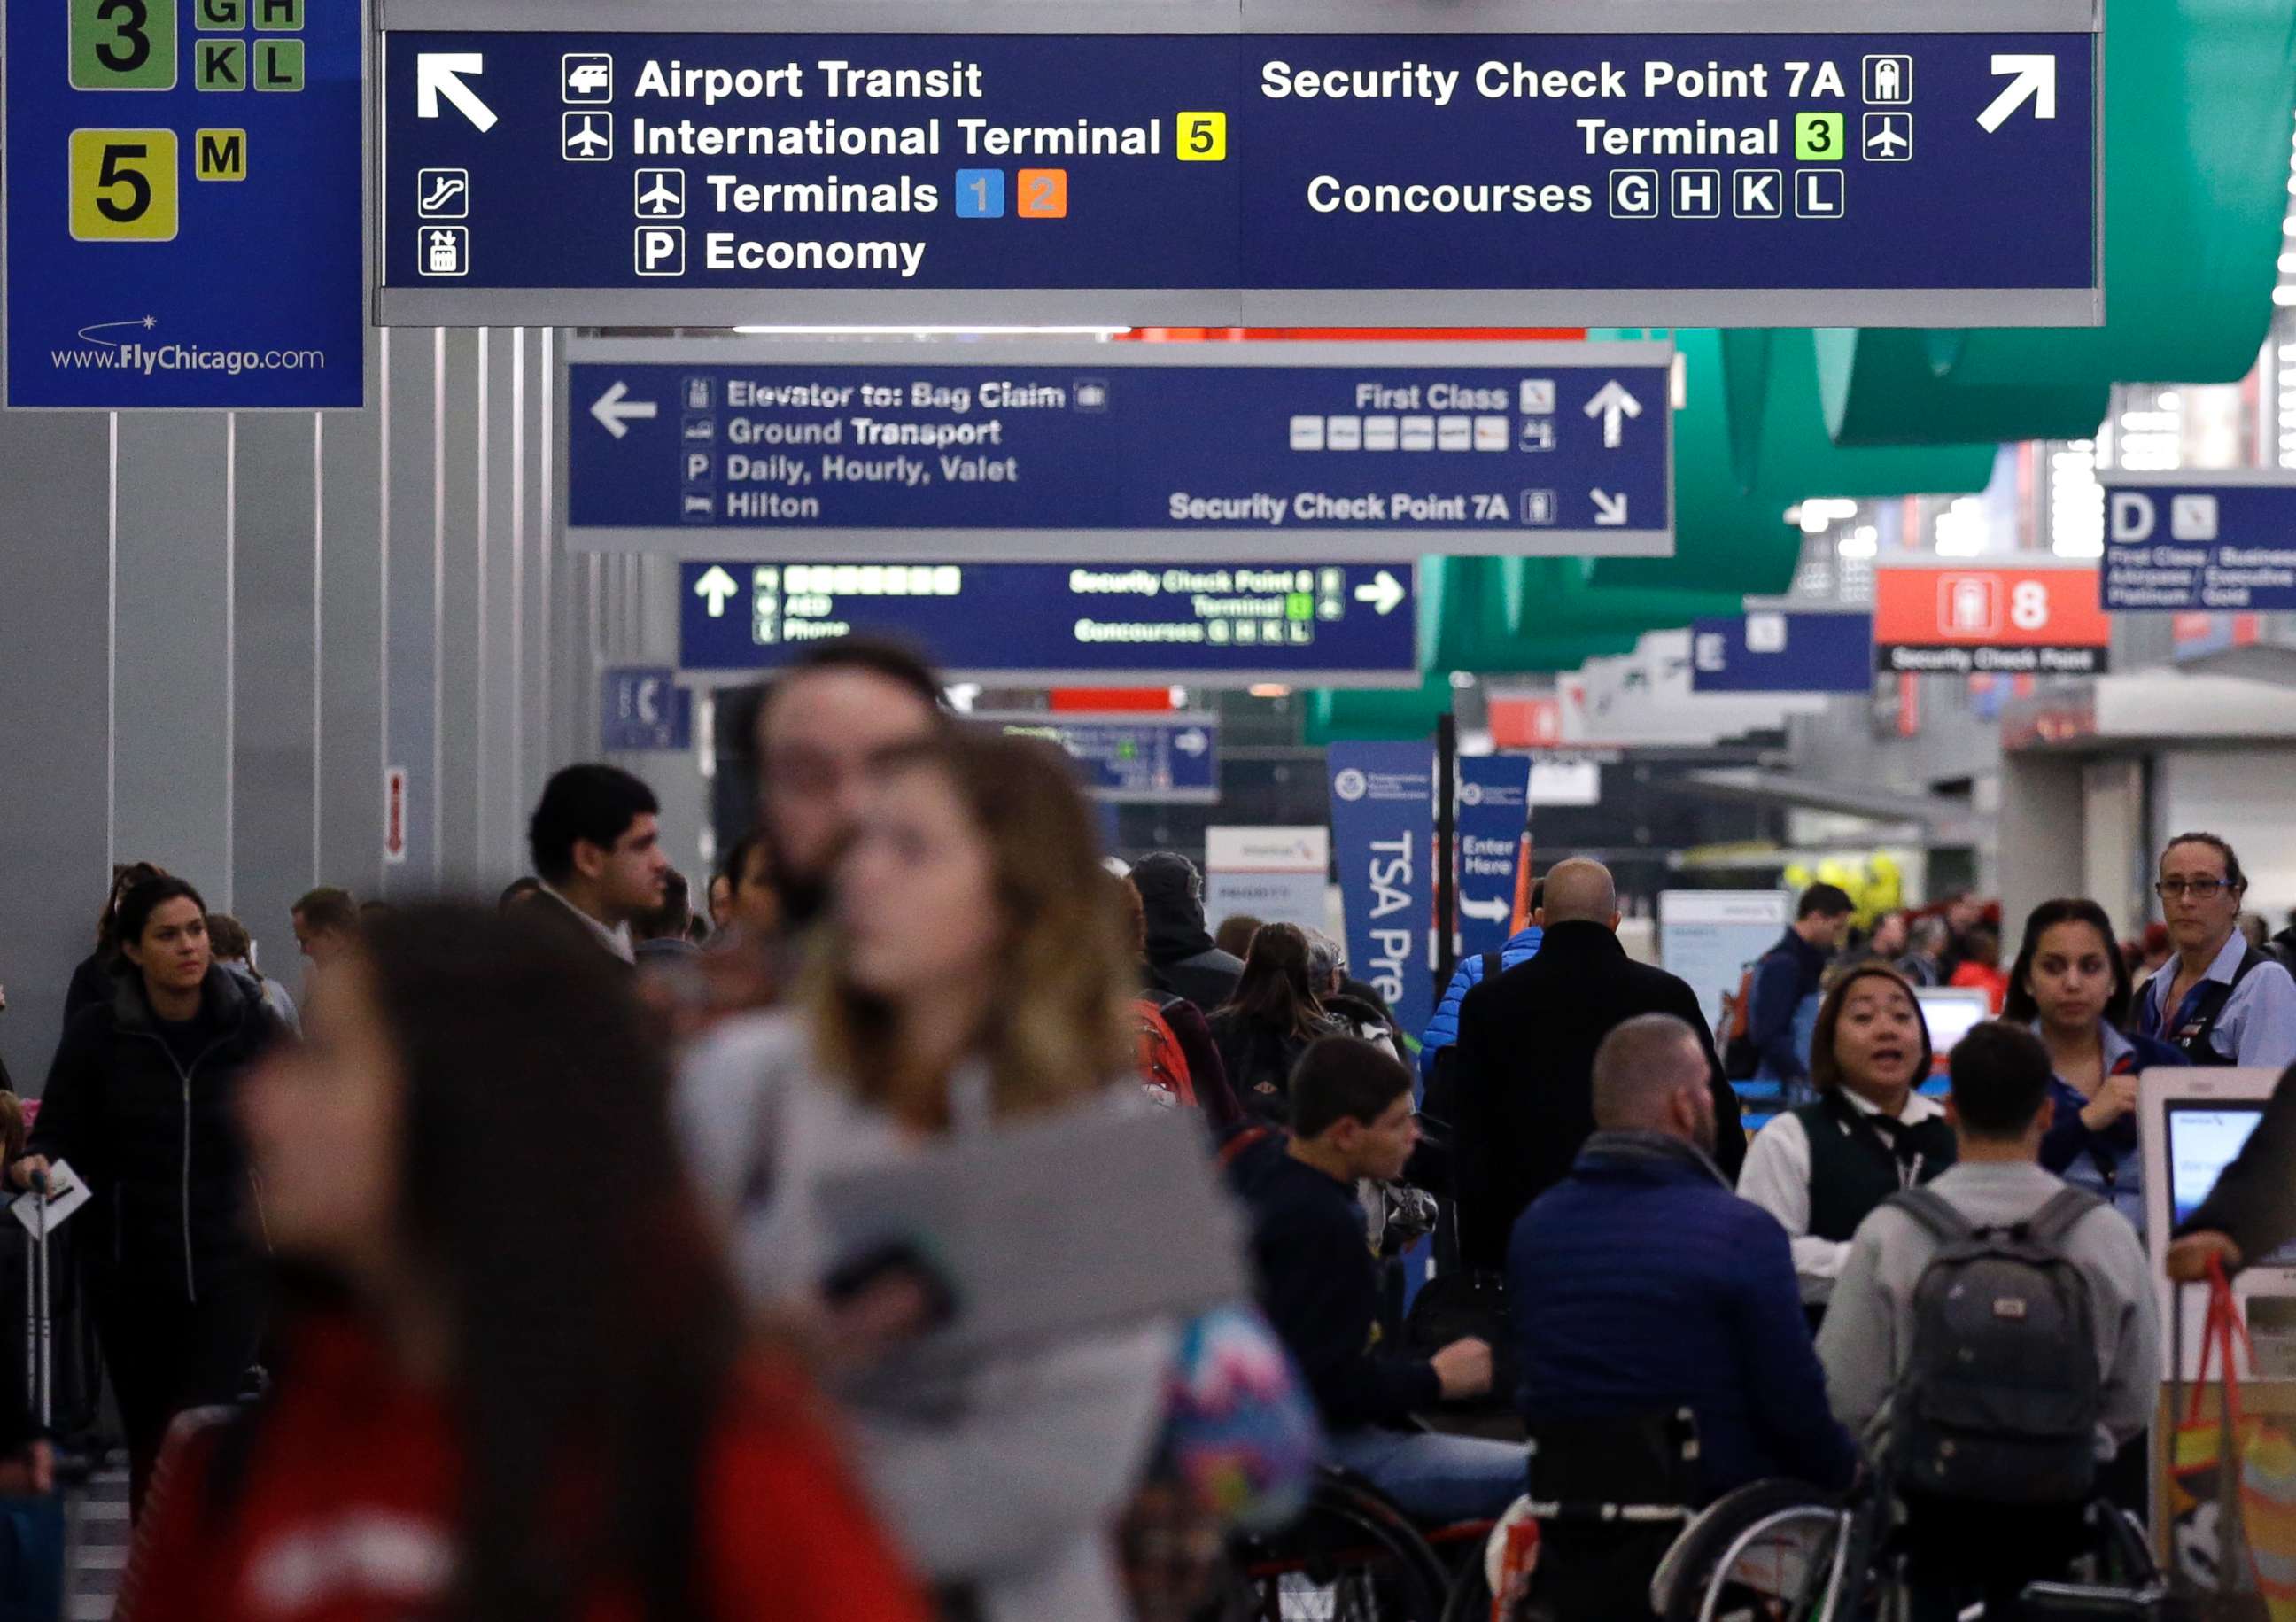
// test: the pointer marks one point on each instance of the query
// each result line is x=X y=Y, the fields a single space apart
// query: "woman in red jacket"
x=527 y=1393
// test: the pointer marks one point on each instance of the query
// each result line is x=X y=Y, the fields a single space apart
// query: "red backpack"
x=1163 y=1067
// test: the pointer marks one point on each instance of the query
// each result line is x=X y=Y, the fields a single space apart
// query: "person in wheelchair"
x=1995 y=1335
x=1351 y=1118
x=1644 y=1289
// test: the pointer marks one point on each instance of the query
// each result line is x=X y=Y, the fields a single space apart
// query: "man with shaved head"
x=1526 y=1066
x=1640 y=1285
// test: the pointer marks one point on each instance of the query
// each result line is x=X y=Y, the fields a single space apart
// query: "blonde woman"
x=970 y=975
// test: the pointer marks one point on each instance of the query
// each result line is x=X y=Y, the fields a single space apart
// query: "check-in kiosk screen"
x=2204 y=1139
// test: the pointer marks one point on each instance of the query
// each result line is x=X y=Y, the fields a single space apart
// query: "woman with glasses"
x=2218 y=1001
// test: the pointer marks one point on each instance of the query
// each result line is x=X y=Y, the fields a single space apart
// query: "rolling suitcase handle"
x=39 y=1368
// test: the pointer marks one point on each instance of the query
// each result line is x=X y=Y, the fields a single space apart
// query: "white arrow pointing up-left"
x=437 y=73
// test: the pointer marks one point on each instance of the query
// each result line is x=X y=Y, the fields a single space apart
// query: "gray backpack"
x=2001 y=1394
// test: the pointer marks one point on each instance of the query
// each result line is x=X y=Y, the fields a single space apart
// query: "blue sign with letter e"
x=185 y=204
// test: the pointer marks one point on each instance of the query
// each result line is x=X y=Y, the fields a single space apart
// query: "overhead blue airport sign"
x=1031 y=447
x=1777 y=651
x=1171 y=759
x=1045 y=623
x=1389 y=162
x=2199 y=542
x=185 y=204
x=640 y=708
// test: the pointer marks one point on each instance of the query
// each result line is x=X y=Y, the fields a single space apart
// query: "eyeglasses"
x=2199 y=889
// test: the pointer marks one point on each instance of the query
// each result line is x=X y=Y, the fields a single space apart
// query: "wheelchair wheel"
x=1352 y=1556
x=1759 y=1554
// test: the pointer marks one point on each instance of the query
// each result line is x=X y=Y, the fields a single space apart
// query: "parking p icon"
x=662 y=250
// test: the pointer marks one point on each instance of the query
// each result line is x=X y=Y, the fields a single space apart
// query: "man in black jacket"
x=1180 y=950
x=1527 y=1042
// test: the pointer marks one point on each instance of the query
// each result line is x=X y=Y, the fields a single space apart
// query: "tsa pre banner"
x=1382 y=816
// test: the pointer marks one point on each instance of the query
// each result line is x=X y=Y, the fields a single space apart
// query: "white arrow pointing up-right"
x=1383 y=591
x=714 y=587
x=437 y=73
x=2036 y=81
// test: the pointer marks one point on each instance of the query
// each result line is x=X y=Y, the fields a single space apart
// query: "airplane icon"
x=1888 y=137
x=661 y=194
x=588 y=137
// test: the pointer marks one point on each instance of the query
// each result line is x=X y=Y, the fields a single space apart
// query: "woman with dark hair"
x=1270 y=1020
x=2218 y=1001
x=140 y=1101
x=1820 y=1169
x=92 y=980
x=2072 y=986
x=524 y=1392
x=973 y=978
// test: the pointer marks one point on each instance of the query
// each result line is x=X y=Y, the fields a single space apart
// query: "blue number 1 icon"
x=980 y=193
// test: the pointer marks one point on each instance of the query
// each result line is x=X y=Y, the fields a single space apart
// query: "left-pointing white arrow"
x=615 y=413
x=437 y=73
x=2036 y=81
x=714 y=587
x=1610 y=510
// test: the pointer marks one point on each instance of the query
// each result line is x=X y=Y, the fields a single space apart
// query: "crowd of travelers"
x=505 y=1267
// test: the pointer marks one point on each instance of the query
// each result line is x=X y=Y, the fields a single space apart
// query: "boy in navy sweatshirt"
x=1352 y=1118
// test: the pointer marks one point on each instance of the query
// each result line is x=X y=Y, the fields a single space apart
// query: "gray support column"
x=349 y=762
x=274 y=628
x=54 y=549
x=461 y=502
x=174 y=628
x=407 y=385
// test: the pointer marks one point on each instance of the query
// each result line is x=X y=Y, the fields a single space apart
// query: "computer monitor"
x=2191 y=1124
x=1950 y=1012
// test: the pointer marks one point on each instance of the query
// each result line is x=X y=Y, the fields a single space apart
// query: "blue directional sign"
x=185 y=204
x=1043 y=623
x=1168 y=759
x=643 y=708
x=1269 y=161
x=1360 y=450
x=2199 y=542
x=1772 y=650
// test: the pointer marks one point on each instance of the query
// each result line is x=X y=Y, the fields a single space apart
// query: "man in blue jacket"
x=1788 y=984
x=1443 y=1027
x=1641 y=1285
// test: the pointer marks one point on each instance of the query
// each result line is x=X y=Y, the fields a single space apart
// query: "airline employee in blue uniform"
x=2218 y=1001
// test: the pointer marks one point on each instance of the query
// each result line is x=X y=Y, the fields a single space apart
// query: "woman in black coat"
x=141 y=1101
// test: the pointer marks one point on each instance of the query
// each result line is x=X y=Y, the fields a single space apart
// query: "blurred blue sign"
x=1043 y=623
x=643 y=708
x=186 y=204
x=1772 y=650
x=2199 y=542
x=1167 y=758
x=1042 y=448
x=1493 y=811
x=1389 y=165
x=1383 y=837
